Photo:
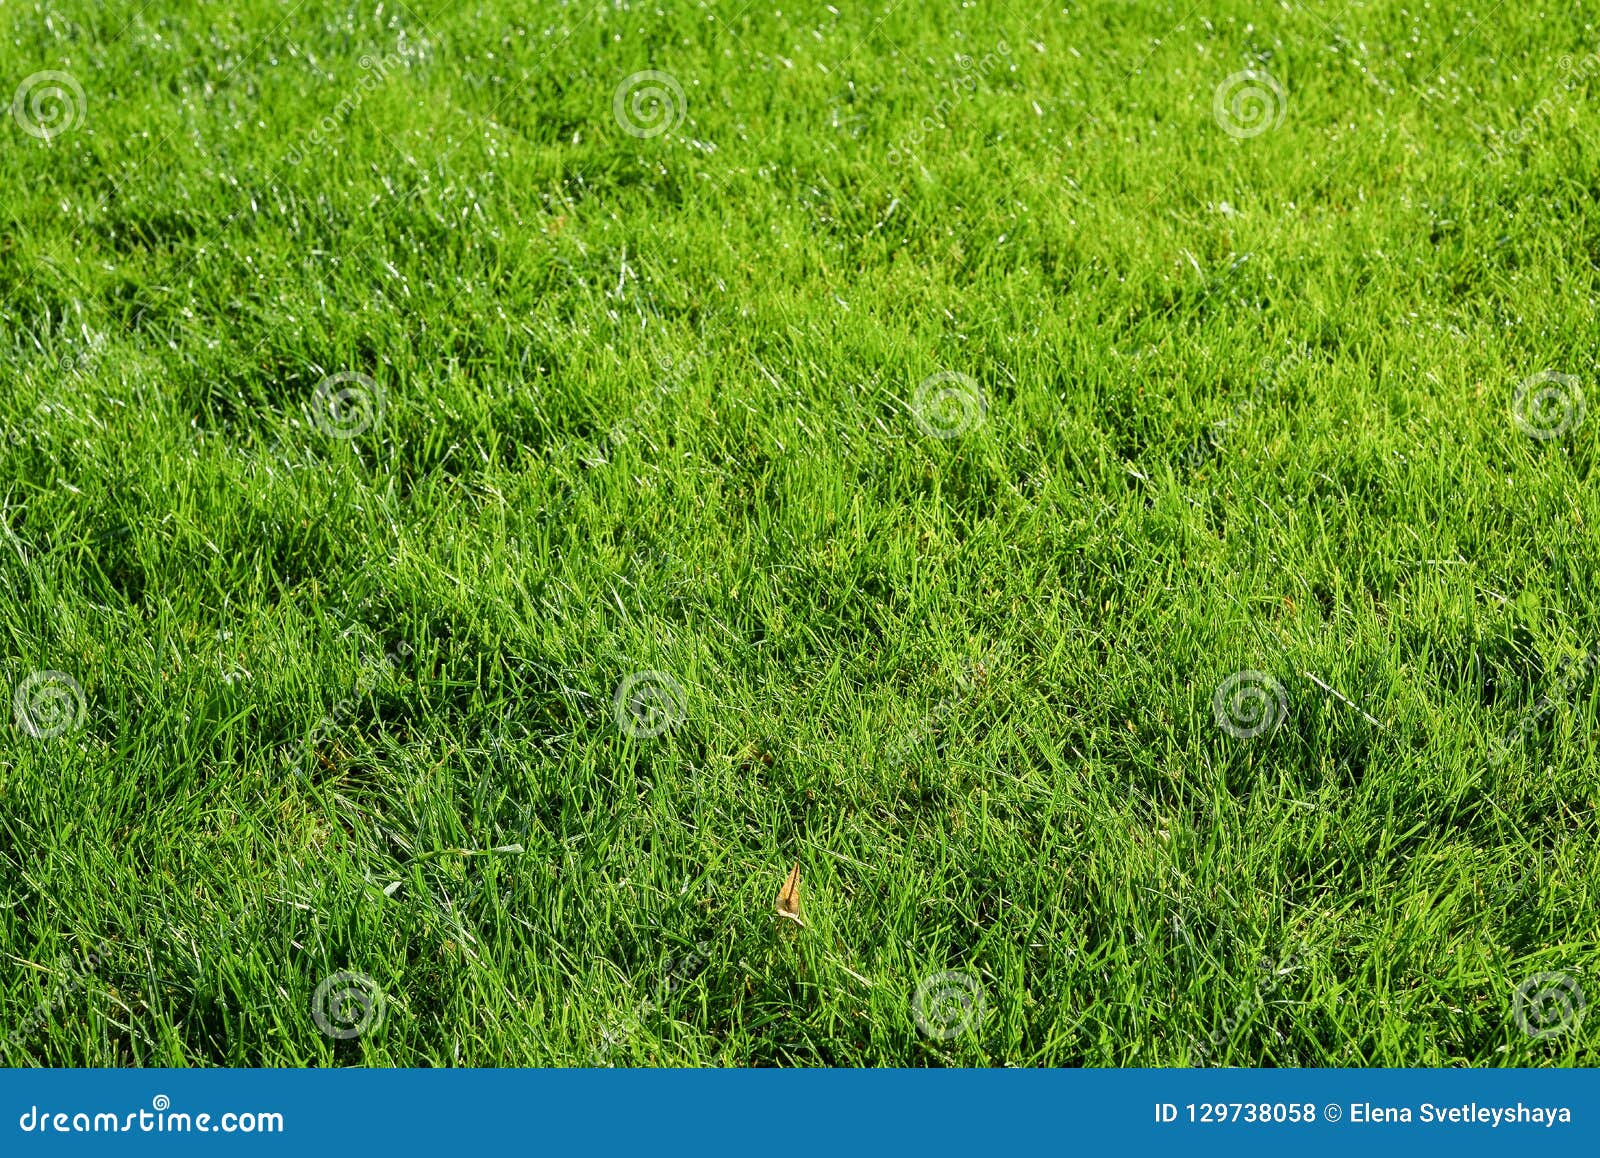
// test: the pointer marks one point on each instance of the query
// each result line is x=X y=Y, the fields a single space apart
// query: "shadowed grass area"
x=473 y=516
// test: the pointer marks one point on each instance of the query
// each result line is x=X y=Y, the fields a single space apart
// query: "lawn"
x=1106 y=489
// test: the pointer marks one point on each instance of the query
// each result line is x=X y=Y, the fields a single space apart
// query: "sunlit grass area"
x=1108 y=490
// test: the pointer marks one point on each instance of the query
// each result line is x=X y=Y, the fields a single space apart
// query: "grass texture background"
x=636 y=382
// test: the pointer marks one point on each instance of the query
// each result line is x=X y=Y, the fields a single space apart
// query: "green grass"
x=649 y=404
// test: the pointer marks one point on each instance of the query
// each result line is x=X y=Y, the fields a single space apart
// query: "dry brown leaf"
x=789 y=896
